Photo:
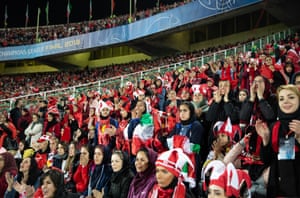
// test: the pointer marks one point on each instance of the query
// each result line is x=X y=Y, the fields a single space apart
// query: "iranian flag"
x=69 y=8
x=91 y=10
x=47 y=13
x=26 y=16
x=5 y=16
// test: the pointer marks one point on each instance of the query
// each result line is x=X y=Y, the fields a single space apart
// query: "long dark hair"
x=33 y=174
x=57 y=178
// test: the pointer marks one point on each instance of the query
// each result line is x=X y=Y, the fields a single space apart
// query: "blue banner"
x=182 y=15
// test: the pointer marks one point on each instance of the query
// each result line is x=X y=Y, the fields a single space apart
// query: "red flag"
x=112 y=6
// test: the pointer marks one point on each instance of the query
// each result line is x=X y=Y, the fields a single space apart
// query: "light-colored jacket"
x=34 y=131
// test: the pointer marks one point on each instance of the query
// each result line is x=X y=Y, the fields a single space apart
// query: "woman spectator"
x=52 y=126
x=296 y=79
x=261 y=103
x=60 y=158
x=9 y=166
x=81 y=176
x=34 y=131
x=226 y=181
x=52 y=185
x=106 y=126
x=8 y=133
x=100 y=171
x=140 y=128
x=281 y=143
x=171 y=108
x=27 y=178
x=288 y=70
x=23 y=123
x=72 y=163
x=188 y=128
x=125 y=116
x=160 y=92
x=118 y=185
x=222 y=107
x=144 y=179
x=171 y=175
x=22 y=146
x=200 y=103
x=260 y=106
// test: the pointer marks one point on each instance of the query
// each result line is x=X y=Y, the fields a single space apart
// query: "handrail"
x=118 y=81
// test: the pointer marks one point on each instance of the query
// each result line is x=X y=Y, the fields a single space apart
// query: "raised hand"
x=263 y=131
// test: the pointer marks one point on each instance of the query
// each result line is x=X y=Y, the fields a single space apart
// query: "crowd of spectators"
x=230 y=126
x=26 y=36
x=20 y=85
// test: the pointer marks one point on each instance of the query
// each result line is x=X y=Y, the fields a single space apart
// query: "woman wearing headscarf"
x=118 y=185
x=144 y=179
x=100 y=171
x=7 y=165
x=281 y=143
x=173 y=169
x=189 y=131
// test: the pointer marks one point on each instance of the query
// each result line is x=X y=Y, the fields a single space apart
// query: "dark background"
x=16 y=10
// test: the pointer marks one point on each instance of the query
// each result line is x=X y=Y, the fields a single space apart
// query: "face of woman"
x=288 y=101
x=297 y=82
x=98 y=156
x=184 y=113
x=21 y=146
x=141 y=162
x=224 y=86
x=223 y=138
x=116 y=162
x=50 y=117
x=105 y=112
x=163 y=177
x=185 y=95
x=216 y=192
x=84 y=154
x=71 y=150
x=242 y=96
x=172 y=95
x=25 y=165
x=140 y=106
x=259 y=81
x=60 y=150
x=123 y=113
x=197 y=97
x=48 y=188
x=35 y=118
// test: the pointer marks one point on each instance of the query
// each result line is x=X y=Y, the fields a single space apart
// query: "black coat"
x=284 y=178
x=119 y=183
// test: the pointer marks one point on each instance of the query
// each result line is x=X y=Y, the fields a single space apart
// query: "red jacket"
x=81 y=178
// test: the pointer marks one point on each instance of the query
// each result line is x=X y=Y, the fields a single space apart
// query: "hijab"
x=144 y=181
